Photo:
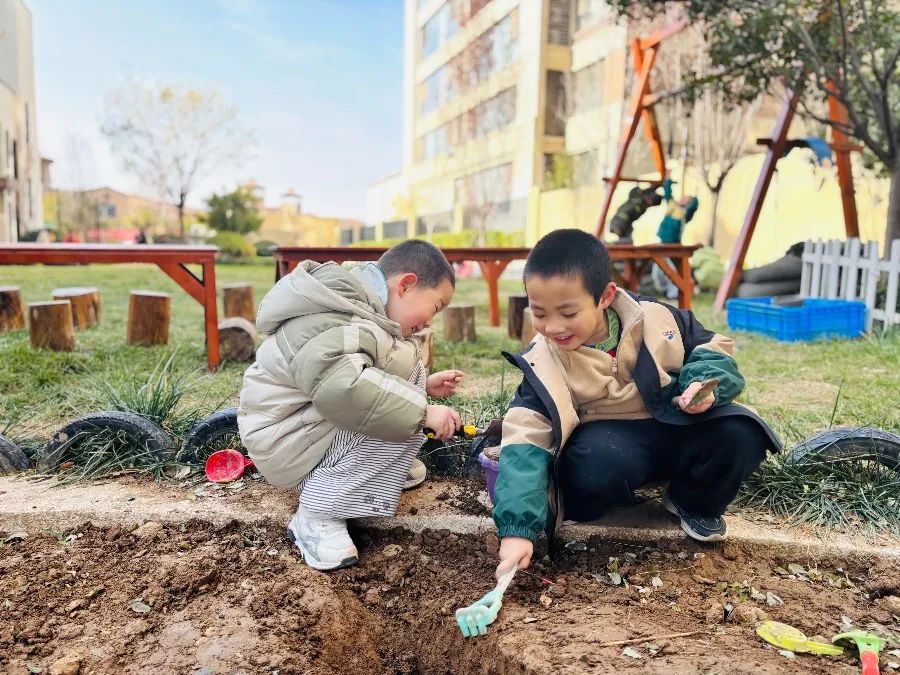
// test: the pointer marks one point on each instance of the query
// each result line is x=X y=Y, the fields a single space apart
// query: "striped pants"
x=361 y=476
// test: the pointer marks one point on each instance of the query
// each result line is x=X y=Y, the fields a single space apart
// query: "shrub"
x=232 y=244
x=264 y=248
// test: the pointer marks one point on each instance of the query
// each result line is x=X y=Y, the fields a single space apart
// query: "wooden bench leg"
x=211 y=318
x=683 y=279
x=491 y=270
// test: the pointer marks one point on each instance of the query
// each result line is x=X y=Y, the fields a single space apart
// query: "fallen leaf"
x=530 y=619
x=576 y=546
x=773 y=600
x=15 y=536
x=656 y=582
x=699 y=578
x=182 y=472
x=139 y=606
x=33 y=668
x=780 y=570
x=615 y=578
x=787 y=653
x=894 y=652
x=757 y=595
x=846 y=623
x=632 y=653
x=545 y=600
x=794 y=568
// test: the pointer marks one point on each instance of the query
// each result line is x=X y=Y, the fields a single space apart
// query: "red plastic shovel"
x=224 y=466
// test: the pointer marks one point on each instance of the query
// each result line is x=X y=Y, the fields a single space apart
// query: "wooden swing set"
x=641 y=108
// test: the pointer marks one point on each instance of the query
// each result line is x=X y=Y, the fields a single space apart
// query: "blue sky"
x=318 y=82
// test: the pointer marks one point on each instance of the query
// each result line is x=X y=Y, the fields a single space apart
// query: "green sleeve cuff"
x=705 y=364
x=518 y=531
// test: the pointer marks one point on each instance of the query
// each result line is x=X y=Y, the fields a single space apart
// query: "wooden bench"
x=493 y=261
x=171 y=259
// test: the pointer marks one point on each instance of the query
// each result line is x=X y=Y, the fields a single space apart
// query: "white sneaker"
x=323 y=542
x=416 y=475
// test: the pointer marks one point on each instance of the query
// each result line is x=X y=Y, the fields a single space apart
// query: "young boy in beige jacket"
x=337 y=399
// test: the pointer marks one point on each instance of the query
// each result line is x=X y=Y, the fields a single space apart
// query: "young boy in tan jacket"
x=607 y=404
x=336 y=401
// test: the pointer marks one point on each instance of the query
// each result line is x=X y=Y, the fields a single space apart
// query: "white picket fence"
x=851 y=270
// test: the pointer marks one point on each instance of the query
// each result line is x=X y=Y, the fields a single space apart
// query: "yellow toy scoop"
x=787 y=637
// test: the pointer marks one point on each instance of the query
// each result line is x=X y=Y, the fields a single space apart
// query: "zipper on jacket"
x=615 y=365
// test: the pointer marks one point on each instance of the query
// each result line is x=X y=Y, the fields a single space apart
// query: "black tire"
x=138 y=428
x=216 y=432
x=12 y=459
x=849 y=444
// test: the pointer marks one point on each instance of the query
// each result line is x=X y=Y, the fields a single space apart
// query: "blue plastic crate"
x=815 y=319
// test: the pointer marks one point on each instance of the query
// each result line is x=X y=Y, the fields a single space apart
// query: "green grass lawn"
x=794 y=386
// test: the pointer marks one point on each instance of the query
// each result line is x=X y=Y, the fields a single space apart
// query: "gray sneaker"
x=416 y=475
x=701 y=528
x=323 y=543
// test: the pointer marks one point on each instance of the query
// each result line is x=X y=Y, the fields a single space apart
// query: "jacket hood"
x=313 y=288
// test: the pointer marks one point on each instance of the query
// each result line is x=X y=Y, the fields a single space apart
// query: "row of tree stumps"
x=459 y=321
x=53 y=324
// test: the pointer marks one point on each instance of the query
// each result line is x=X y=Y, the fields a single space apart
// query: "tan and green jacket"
x=660 y=351
x=331 y=360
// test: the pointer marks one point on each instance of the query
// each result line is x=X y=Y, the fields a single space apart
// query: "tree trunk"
x=893 y=215
x=182 y=199
x=12 y=314
x=148 y=318
x=238 y=301
x=517 y=304
x=712 y=219
x=426 y=342
x=50 y=325
x=85 y=301
x=459 y=323
x=237 y=339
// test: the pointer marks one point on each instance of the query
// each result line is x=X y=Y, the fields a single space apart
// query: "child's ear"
x=406 y=281
x=608 y=295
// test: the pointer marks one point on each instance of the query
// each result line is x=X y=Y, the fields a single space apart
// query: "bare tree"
x=171 y=137
x=484 y=194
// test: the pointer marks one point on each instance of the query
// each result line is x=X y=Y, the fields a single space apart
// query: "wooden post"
x=148 y=318
x=459 y=323
x=12 y=314
x=50 y=325
x=517 y=304
x=237 y=339
x=528 y=331
x=86 y=309
x=491 y=272
x=425 y=338
x=238 y=301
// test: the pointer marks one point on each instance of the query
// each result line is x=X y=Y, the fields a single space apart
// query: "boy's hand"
x=514 y=551
x=688 y=394
x=442 y=420
x=443 y=383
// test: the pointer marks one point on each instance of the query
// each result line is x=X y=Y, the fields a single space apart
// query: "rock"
x=891 y=603
x=730 y=551
x=491 y=543
x=452 y=538
x=149 y=530
x=372 y=596
x=391 y=550
x=747 y=614
x=715 y=613
x=557 y=589
x=70 y=664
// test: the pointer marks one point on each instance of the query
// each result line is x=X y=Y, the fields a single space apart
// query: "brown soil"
x=236 y=599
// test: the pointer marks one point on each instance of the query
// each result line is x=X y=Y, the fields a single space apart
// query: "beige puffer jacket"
x=331 y=359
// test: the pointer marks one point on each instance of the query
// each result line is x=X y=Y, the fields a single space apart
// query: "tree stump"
x=85 y=301
x=528 y=331
x=237 y=339
x=12 y=314
x=148 y=318
x=426 y=343
x=238 y=301
x=50 y=325
x=459 y=323
x=517 y=303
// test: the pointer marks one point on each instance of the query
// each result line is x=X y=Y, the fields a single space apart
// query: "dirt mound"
x=235 y=599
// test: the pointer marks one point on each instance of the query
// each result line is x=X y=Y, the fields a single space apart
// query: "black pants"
x=605 y=461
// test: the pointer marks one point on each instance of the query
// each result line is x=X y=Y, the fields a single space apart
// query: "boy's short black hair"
x=422 y=259
x=571 y=253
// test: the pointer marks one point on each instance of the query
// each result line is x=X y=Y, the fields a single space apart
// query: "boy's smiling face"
x=412 y=305
x=564 y=311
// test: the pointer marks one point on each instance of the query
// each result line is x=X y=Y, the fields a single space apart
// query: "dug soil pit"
x=197 y=598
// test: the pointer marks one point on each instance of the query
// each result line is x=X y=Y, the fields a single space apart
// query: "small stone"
x=372 y=597
x=491 y=543
x=149 y=530
x=391 y=550
x=70 y=664
x=413 y=510
x=748 y=614
x=632 y=653
x=715 y=613
x=730 y=551
x=891 y=603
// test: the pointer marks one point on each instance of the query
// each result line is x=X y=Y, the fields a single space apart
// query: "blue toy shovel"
x=474 y=619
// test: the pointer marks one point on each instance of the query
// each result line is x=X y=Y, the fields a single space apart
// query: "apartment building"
x=21 y=208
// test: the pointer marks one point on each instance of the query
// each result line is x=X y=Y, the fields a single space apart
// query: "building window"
x=394 y=230
x=588 y=87
x=346 y=237
x=367 y=233
x=586 y=168
x=491 y=186
x=105 y=210
x=440 y=28
x=494 y=113
x=590 y=12
x=555 y=111
x=558 y=23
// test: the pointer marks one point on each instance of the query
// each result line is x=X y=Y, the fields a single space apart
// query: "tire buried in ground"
x=12 y=459
x=848 y=444
x=216 y=432
x=138 y=428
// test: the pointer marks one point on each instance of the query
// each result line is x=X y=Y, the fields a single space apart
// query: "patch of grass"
x=106 y=453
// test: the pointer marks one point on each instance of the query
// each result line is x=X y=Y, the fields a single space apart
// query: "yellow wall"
x=802 y=203
x=288 y=228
